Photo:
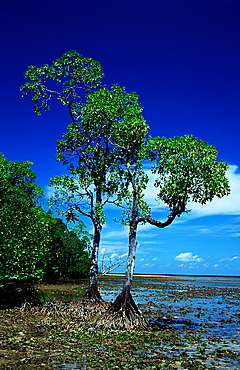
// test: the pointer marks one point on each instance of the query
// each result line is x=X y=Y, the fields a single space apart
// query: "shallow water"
x=210 y=303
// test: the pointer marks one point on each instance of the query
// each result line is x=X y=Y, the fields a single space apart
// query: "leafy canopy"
x=66 y=78
x=68 y=251
x=187 y=170
x=95 y=149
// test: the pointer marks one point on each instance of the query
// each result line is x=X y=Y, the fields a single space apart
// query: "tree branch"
x=149 y=219
x=50 y=91
x=82 y=212
x=70 y=112
x=177 y=211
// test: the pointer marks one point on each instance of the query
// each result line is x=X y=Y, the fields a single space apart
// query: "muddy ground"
x=192 y=327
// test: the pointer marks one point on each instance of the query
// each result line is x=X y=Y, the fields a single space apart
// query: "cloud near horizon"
x=188 y=257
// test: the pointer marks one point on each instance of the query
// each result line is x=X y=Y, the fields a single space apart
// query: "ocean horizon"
x=179 y=275
x=200 y=280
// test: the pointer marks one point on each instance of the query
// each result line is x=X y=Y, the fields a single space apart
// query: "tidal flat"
x=194 y=324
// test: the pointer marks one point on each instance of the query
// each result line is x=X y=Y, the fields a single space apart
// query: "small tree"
x=102 y=125
x=67 y=78
x=93 y=150
x=187 y=170
x=111 y=263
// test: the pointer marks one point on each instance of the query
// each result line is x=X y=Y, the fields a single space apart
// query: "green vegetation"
x=106 y=133
x=34 y=245
x=23 y=224
x=105 y=149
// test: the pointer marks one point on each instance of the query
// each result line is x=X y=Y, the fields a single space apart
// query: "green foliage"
x=63 y=78
x=68 y=251
x=106 y=132
x=116 y=116
x=23 y=226
x=96 y=149
x=30 y=238
x=187 y=170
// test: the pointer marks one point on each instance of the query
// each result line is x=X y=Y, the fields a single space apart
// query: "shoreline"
x=172 y=277
x=192 y=327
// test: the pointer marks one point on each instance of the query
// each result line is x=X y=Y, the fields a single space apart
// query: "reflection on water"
x=64 y=296
x=211 y=303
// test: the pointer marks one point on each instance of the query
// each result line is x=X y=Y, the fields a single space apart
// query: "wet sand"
x=208 y=308
x=194 y=325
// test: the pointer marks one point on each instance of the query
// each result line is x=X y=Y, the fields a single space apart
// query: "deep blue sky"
x=182 y=58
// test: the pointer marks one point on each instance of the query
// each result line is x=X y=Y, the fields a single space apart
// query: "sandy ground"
x=193 y=327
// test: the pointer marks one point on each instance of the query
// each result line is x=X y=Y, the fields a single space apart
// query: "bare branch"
x=112 y=265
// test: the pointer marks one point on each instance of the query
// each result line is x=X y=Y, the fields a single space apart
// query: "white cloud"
x=153 y=242
x=228 y=205
x=216 y=265
x=49 y=192
x=151 y=191
x=230 y=258
x=115 y=234
x=123 y=255
x=204 y=231
x=108 y=248
x=188 y=257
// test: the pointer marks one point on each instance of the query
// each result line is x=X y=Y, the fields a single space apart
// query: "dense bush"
x=68 y=253
x=33 y=244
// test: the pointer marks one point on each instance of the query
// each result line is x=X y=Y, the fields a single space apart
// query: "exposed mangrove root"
x=78 y=309
x=93 y=298
x=91 y=304
x=123 y=314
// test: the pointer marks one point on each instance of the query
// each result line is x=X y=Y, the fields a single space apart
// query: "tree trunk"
x=132 y=245
x=92 y=304
x=123 y=312
x=92 y=295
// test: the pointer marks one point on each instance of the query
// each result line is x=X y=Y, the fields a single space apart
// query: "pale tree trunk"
x=123 y=312
x=132 y=245
x=92 y=291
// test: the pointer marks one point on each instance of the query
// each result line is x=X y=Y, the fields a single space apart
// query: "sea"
x=211 y=303
x=202 y=280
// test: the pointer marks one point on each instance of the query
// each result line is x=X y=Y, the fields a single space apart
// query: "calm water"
x=211 y=302
x=214 y=281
